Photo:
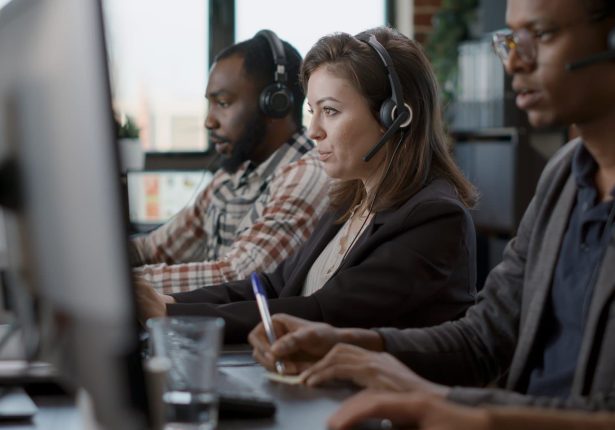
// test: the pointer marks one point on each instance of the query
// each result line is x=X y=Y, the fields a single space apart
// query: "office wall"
x=424 y=10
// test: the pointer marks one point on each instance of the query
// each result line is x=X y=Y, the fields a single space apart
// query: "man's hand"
x=300 y=342
x=375 y=370
x=150 y=304
x=415 y=410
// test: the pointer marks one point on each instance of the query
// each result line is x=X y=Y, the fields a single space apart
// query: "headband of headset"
x=276 y=100
x=279 y=57
x=394 y=112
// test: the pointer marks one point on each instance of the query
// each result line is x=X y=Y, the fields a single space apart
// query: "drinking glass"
x=191 y=345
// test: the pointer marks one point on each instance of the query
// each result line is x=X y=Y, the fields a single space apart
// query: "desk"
x=298 y=407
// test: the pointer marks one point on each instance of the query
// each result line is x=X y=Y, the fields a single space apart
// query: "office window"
x=302 y=23
x=158 y=52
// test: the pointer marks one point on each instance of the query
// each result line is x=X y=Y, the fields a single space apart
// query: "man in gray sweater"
x=545 y=320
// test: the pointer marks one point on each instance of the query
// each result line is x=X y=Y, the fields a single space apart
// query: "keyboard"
x=238 y=400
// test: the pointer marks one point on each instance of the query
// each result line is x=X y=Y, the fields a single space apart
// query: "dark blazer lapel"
x=320 y=239
x=379 y=219
x=538 y=283
x=325 y=232
x=349 y=260
x=603 y=291
x=392 y=216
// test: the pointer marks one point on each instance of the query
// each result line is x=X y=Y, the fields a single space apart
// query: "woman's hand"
x=415 y=410
x=150 y=304
x=375 y=370
x=300 y=342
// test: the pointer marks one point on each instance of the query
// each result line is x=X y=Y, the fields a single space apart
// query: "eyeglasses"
x=523 y=41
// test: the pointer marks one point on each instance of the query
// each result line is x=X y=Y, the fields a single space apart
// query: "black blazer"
x=413 y=266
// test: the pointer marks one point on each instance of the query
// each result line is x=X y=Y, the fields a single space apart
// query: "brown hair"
x=424 y=154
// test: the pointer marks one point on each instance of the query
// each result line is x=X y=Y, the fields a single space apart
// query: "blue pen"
x=261 y=301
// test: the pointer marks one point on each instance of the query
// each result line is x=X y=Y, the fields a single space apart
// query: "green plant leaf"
x=450 y=27
x=128 y=130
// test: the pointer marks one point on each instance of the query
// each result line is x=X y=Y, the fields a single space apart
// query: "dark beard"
x=253 y=135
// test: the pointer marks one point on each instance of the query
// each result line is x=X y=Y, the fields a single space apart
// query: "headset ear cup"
x=276 y=100
x=386 y=113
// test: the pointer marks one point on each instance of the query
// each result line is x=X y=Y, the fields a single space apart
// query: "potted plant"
x=452 y=25
x=132 y=156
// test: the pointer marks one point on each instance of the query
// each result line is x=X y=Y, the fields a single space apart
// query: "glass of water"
x=191 y=345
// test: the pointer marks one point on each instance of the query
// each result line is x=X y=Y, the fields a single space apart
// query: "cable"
x=371 y=205
x=205 y=171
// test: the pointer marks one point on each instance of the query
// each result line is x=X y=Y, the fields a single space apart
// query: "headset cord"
x=197 y=190
x=373 y=201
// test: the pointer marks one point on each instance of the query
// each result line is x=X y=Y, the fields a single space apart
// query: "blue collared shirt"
x=556 y=350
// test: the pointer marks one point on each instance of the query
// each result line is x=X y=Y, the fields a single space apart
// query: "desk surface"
x=298 y=407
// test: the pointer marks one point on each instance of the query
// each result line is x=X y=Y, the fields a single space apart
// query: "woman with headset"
x=397 y=247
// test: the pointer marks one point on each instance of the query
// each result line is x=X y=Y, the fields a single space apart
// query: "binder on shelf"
x=484 y=95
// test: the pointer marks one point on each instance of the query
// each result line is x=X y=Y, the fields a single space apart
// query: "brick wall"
x=423 y=13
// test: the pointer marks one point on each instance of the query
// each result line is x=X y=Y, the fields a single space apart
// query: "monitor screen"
x=57 y=145
x=155 y=196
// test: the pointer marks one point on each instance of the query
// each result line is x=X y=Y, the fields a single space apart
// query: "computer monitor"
x=155 y=196
x=57 y=147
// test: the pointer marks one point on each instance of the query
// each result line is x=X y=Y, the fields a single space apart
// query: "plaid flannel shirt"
x=247 y=221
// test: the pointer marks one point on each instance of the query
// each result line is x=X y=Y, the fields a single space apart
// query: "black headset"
x=394 y=113
x=607 y=55
x=276 y=100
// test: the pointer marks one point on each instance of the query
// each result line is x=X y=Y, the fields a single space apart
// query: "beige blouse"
x=334 y=253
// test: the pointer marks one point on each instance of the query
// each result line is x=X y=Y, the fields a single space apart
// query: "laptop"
x=16 y=405
x=15 y=371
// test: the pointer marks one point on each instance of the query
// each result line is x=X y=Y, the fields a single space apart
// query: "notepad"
x=284 y=379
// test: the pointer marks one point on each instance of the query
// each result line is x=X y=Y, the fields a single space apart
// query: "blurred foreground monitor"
x=66 y=229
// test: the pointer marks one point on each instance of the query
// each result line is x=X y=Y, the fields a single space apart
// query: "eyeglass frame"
x=505 y=40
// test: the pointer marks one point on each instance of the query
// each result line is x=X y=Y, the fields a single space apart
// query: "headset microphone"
x=588 y=61
x=403 y=117
x=596 y=58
